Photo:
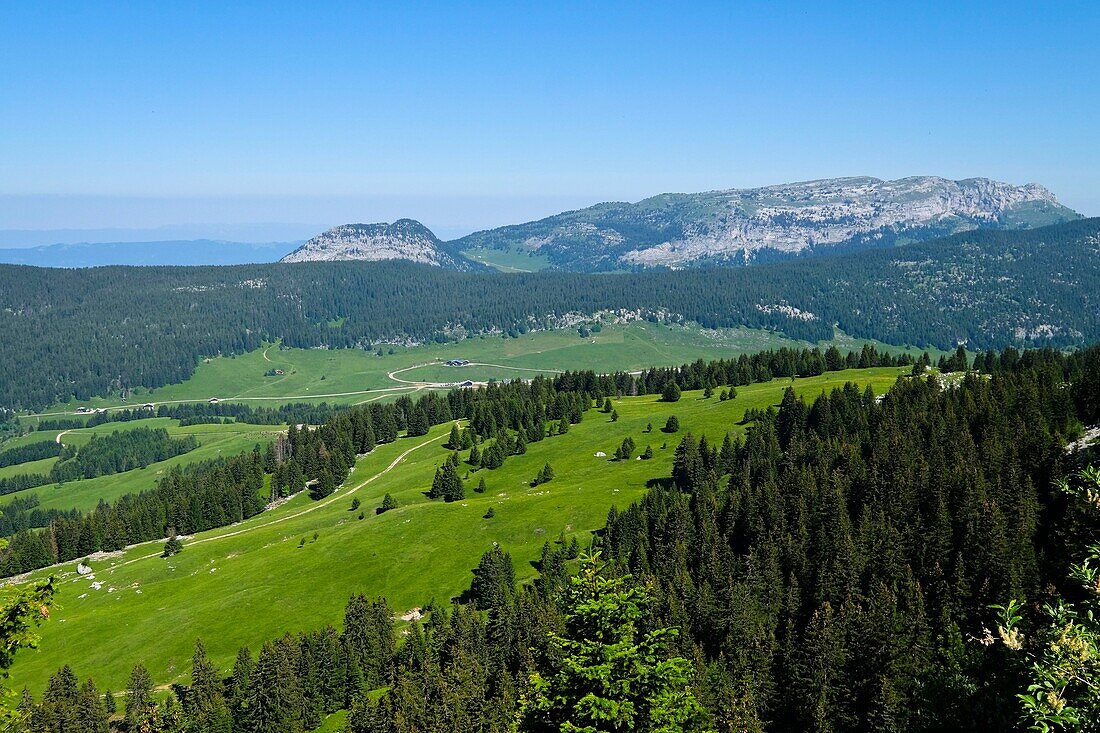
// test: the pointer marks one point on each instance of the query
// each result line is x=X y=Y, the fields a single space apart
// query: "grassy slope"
x=508 y=260
x=31 y=467
x=214 y=441
x=334 y=723
x=245 y=584
x=348 y=373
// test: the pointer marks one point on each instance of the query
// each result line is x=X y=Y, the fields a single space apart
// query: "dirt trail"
x=404 y=385
x=280 y=398
x=393 y=375
x=340 y=493
x=336 y=495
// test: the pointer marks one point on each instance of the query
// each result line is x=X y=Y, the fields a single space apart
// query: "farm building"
x=458 y=362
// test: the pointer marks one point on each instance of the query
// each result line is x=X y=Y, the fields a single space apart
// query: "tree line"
x=102 y=456
x=160 y=322
x=30 y=452
x=503 y=417
x=832 y=570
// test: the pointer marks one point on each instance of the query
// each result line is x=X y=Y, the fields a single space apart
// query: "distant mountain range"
x=731 y=227
x=670 y=231
x=184 y=252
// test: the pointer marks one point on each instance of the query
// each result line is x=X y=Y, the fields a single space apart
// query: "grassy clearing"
x=215 y=441
x=333 y=723
x=267 y=576
x=348 y=376
x=508 y=260
x=30 y=467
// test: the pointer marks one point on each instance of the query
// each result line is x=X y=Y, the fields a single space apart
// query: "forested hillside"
x=218 y=493
x=833 y=570
x=82 y=333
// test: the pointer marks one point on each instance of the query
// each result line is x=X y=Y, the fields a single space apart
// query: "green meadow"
x=352 y=376
x=215 y=441
x=292 y=568
x=508 y=260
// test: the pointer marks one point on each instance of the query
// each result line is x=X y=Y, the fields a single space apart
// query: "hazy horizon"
x=475 y=116
x=448 y=218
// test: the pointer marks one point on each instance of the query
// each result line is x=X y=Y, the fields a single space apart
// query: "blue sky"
x=148 y=114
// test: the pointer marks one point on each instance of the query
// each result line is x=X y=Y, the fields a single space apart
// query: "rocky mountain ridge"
x=728 y=227
x=404 y=239
x=742 y=226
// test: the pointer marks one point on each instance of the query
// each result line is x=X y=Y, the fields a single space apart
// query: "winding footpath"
x=340 y=493
x=404 y=385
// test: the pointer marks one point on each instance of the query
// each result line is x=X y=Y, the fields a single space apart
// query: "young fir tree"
x=90 y=709
x=418 y=422
x=467 y=438
x=671 y=391
x=237 y=688
x=141 y=708
x=494 y=580
x=325 y=485
x=296 y=479
x=625 y=449
x=475 y=456
x=725 y=456
x=275 y=695
x=492 y=457
x=369 y=638
x=454 y=442
x=480 y=485
x=206 y=708
x=173 y=546
x=388 y=503
x=369 y=441
x=672 y=425
x=612 y=675
x=455 y=489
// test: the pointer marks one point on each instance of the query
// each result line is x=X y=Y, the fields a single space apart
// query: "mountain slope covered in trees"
x=82 y=333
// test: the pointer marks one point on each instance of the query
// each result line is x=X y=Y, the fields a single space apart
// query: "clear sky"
x=470 y=115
